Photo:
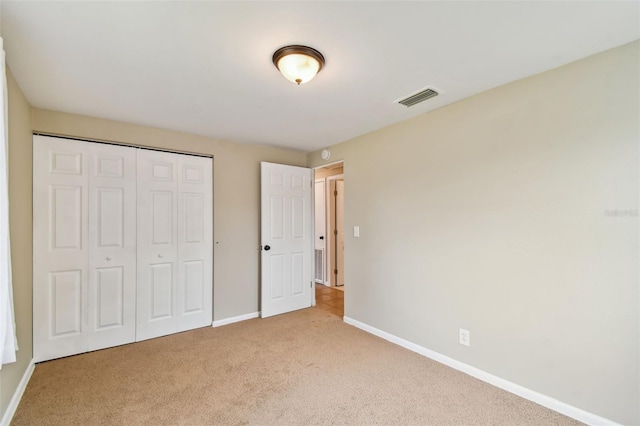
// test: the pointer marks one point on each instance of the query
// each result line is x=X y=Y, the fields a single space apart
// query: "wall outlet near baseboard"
x=464 y=337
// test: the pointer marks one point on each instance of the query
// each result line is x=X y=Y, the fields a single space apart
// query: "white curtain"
x=8 y=342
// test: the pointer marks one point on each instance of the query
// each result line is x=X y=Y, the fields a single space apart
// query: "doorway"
x=329 y=226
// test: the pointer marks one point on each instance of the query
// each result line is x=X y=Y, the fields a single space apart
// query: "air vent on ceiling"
x=421 y=96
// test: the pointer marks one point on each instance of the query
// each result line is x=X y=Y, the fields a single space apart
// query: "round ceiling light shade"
x=298 y=64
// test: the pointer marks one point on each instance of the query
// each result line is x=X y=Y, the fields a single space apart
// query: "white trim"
x=333 y=163
x=17 y=395
x=220 y=323
x=538 y=398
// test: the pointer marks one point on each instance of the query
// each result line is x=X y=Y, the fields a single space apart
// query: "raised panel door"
x=60 y=256
x=286 y=238
x=122 y=245
x=112 y=245
x=195 y=242
x=157 y=248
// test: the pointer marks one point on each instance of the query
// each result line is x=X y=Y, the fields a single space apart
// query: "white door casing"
x=82 y=281
x=286 y=236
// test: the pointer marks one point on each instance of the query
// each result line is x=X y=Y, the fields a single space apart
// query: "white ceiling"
x=205 y=67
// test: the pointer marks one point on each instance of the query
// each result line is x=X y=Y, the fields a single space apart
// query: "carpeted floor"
x=302 y=368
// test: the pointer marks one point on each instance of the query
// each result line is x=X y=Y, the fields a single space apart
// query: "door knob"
x=322 y=238
x=108 y=258
x=267 y=248
x=161 y=255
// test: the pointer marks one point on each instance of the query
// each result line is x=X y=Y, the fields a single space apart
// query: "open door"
x=339 y=232
x=286 y=238
x=336 y=230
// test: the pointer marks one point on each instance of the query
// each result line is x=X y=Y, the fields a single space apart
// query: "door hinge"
x=335 y=232
x=335 y=193
x=311 y=284
x=335 y=272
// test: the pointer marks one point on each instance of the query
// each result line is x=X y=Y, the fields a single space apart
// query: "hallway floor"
x=330 y=299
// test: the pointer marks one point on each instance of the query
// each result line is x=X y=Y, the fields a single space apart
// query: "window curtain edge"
x=8 y=337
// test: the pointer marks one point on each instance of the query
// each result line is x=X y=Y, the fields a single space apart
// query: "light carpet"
x=302 y=368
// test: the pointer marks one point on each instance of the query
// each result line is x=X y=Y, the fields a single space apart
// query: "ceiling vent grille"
x=418 y=97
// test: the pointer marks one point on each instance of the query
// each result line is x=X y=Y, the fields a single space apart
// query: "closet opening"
x=122 y=244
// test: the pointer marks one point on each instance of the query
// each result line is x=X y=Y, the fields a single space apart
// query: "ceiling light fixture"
x=298 y=64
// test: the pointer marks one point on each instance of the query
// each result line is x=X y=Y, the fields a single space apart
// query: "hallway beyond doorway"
x=330 y=299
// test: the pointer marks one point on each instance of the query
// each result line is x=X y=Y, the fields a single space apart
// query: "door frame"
x=328 y=240
x=330 y=243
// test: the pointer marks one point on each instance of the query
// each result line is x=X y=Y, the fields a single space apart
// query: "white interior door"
x=122 y=244
x=60 y=239
x=195 y=242
x=286 y=238
x=83 y=246
x=175 y=243
x=112 y=245
x=157 y=290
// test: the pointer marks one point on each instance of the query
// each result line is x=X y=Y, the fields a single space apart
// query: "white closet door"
x=112 y=245
x=175 y=243
x=157 y=244
x=122 y=243
x=81 y=300
x=195 y=242
x=60 y=256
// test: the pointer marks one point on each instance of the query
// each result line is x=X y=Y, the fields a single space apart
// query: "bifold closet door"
x=84 y=238
x=122 y=245
x=195 y=242
x=174 y=291
x=112 y=245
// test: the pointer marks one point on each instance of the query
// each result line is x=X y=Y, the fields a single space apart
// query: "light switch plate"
x=464 y=337
x=356 y=231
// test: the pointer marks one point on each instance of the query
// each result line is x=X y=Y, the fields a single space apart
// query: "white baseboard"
x=231 y=320
x=17 y=395
x=538 y=398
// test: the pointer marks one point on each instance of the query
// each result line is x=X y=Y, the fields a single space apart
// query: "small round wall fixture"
x=297 y=63
x=326 y=154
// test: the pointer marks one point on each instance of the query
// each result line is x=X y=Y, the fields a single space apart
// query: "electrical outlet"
x=464 y=337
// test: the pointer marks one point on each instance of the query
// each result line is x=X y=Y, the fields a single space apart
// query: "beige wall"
x=491 y=215
x=236 y=196
x=21 y=236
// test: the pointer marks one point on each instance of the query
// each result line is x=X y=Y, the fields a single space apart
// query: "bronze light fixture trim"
x=297 y=63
